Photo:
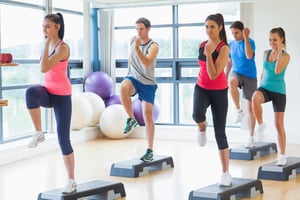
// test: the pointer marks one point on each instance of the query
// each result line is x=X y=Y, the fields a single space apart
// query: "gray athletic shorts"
x=248 y=85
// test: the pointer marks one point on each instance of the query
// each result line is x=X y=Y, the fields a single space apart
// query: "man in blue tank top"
x=243 y=73
x=141 y=80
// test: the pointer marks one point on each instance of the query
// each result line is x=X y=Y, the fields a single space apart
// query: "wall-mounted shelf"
x=8 y=64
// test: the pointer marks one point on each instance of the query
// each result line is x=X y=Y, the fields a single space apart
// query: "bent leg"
x=36 y=97
x=126 y=91
x=258 y=99
x=234 y=92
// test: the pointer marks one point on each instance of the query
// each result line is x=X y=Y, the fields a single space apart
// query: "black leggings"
x=37 y=96
x=218 y=101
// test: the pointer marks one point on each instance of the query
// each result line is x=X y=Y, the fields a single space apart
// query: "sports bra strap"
x=220 y=45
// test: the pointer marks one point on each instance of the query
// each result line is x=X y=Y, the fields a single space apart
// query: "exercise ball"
x=99 y=83
x=113 y=121
x=98 y=106
x=81 y=112
x=138 y=111
x=113 y=99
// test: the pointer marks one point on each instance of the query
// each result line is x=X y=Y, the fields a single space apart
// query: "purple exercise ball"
x=113 y=99
x=99 y=83
x=138 y=111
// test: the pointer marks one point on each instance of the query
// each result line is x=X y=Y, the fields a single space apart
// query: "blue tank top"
x=271 y=81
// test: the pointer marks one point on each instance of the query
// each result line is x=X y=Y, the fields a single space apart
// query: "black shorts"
x=278 y=100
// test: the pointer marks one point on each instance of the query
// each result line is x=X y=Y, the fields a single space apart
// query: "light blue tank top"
x=271 y=81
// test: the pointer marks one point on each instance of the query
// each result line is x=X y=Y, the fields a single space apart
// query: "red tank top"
x=56 y=80
x=203 y=79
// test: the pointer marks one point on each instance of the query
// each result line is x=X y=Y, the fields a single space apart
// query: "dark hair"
x=57 y=19
x=238 y=25
x=144 y=21
x=281 y=34
x=218 y=18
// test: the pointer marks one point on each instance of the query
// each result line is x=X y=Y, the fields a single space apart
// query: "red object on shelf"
x=3 y=58
x=9 y=58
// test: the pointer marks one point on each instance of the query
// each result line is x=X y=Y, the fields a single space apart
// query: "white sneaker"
x=250 y=143
x=225 y=180
x=238 y=116
x=37 y=138
x=201 y=136
x=260 y=131
x=70 y=187
x=281 y=160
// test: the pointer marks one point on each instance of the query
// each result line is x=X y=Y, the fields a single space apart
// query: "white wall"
x=261 y=17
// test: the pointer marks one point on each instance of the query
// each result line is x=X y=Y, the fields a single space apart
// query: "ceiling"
x=133 y=3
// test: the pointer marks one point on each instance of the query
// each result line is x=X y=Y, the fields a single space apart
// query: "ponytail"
x=61 y=31
x=57 y=19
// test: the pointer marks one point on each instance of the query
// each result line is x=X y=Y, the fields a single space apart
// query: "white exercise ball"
x=113 y=121
x=81 y=111
x=98 y=106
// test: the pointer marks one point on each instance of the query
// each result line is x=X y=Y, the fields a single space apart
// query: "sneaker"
x=281 y=160
x=130 y=125
x=202 y=137
x=260 y=131
x=250 y=143
x=70 y=187
x=148 y=156
x=37 y=138
x=225 y=180
x=238 y=116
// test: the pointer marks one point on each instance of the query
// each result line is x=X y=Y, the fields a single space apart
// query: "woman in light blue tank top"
x=272 y=88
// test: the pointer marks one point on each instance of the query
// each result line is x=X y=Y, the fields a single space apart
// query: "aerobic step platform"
x=259 y=149
x=94 y=190
x=280 y=173
x=136 y=167
x=240 y=188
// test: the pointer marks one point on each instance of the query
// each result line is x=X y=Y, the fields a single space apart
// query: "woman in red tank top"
x=211 y=89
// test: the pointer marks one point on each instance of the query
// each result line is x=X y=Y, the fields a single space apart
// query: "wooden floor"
x=195 y=167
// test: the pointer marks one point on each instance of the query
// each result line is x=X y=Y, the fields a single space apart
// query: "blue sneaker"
x=148 y=156
x=130 y=125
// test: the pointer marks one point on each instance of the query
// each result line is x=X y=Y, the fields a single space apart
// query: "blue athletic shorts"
x=145 y=92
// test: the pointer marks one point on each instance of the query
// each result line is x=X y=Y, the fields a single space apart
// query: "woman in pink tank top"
x=55 y=93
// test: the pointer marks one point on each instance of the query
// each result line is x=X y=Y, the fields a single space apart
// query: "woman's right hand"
x=47 y=40
x=208 y=48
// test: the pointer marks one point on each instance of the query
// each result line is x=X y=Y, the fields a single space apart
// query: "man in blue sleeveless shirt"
x=141 y=80
x=243 y=73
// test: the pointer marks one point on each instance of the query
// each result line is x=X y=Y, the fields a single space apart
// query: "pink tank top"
x=204 y=81
x=56 y=80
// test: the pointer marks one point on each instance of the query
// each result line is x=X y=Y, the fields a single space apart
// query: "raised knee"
x=31 y=91
x=256 y=98
x=233 y=83
x=125 y=88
